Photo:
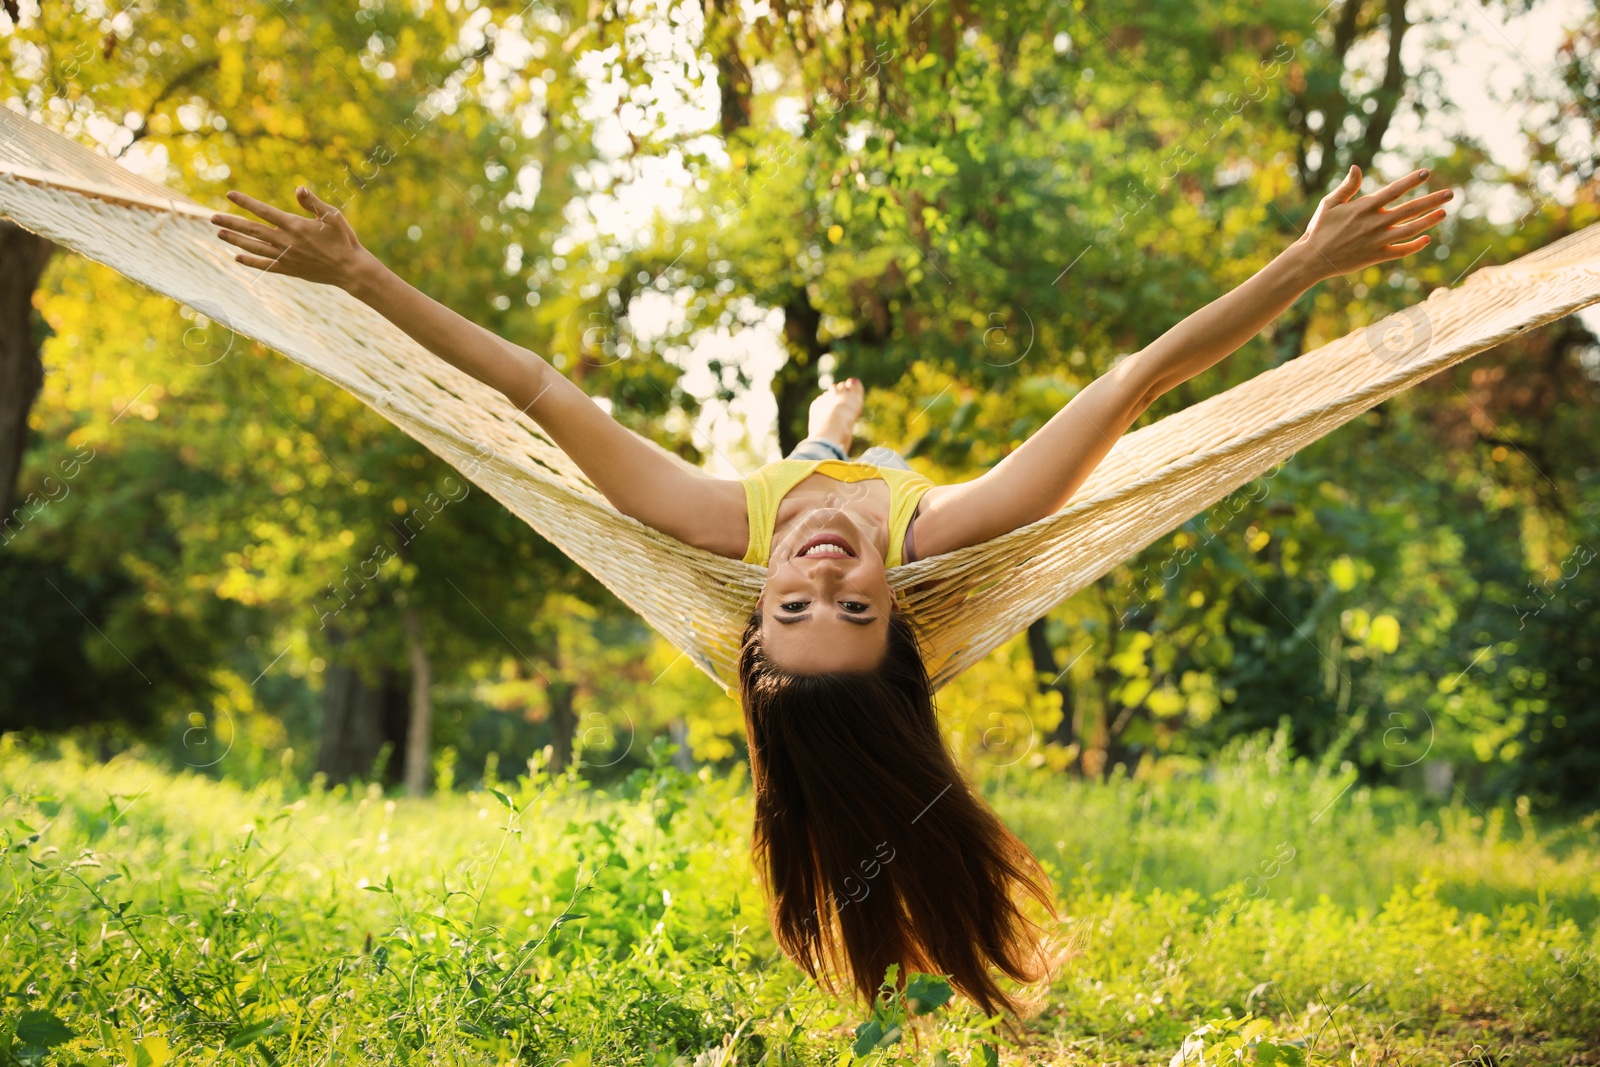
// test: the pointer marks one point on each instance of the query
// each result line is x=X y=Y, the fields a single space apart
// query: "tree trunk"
x=23 y=256
x=352 y=724
x=360 y=721
x=733 y=76
x=682 y=758
x=1049 y=678
x=563 y=726
x=419 y=733
x=1118 y=750
x=795 y=383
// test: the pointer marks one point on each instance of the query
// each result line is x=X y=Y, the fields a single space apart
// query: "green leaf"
x=42 y=1030
x=504 y=800
x=926 y=993
x=985 y=1055
x=867 y=1036
x=251 y=1034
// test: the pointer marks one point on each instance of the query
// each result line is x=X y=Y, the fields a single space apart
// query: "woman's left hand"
x=1348 y=234
x=323 y=248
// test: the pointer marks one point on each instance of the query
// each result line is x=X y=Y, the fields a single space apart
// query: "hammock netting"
x=963 y=603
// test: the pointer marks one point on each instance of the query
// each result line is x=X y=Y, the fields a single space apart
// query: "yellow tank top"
x=765 y=489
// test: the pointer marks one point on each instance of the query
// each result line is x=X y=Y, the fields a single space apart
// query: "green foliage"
x=1246 y=1040
x=976 y=208
x=158 y=916
x=1260 y=822
x=896 y=1010
x=977 y=211
x=236 y=508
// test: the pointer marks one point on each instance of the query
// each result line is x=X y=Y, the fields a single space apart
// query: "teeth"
x=825 y=550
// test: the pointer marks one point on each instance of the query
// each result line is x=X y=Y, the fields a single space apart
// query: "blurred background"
x=701 y=213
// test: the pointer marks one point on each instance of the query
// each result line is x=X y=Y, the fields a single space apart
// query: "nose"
x=825 y=568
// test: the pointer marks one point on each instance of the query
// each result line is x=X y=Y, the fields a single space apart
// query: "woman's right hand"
x=1349 y=232
x=323 y=248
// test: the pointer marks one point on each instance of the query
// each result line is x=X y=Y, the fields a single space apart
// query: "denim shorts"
x=877 y=455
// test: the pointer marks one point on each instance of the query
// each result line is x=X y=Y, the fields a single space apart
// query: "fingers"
x=313 y=204
x=323 y=211
x=251 y=244
x=249 y=227
x=1405 y=248
x=1347 y=188
x=1407 y=229
x=264 y=210
x=1396 y=188
x=1412 y=208
x=258 y=262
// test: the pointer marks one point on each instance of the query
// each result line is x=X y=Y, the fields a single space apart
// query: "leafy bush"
x=151 y=917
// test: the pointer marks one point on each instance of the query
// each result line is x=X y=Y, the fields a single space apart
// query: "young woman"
x=873 y=848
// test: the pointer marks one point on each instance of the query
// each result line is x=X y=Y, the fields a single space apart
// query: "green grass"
x=149 y=917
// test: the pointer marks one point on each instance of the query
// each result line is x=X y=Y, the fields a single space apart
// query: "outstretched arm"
x=1044 y=472
x=637 y=479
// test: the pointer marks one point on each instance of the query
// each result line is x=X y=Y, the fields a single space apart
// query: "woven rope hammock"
x=964 y=603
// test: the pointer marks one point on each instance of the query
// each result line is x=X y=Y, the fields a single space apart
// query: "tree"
x=976 y=208
x=23 y=256
x=451 y=140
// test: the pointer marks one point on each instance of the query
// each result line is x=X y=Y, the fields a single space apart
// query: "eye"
x=855 y=607
x=793 y=606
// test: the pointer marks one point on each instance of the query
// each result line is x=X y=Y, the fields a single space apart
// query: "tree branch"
x=1388 y=95
x=183 y=79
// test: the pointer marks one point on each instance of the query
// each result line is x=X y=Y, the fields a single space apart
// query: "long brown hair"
x=873 y=847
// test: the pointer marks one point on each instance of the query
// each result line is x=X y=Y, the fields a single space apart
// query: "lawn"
x=151 y=917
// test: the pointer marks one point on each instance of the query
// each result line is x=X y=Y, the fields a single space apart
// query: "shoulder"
x=939 y=525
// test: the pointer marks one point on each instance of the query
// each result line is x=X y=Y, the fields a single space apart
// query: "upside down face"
x=826 y=603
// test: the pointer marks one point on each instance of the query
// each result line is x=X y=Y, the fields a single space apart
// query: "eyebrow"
x=857 y=620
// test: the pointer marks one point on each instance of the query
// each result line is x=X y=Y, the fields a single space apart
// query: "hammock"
x=964 y=603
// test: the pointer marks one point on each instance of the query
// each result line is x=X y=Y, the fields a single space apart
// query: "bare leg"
x=834 y=413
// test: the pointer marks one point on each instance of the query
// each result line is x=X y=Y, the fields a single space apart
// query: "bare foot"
x=834 y=412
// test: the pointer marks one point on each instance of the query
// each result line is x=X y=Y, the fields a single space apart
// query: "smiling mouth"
x=826 y=546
